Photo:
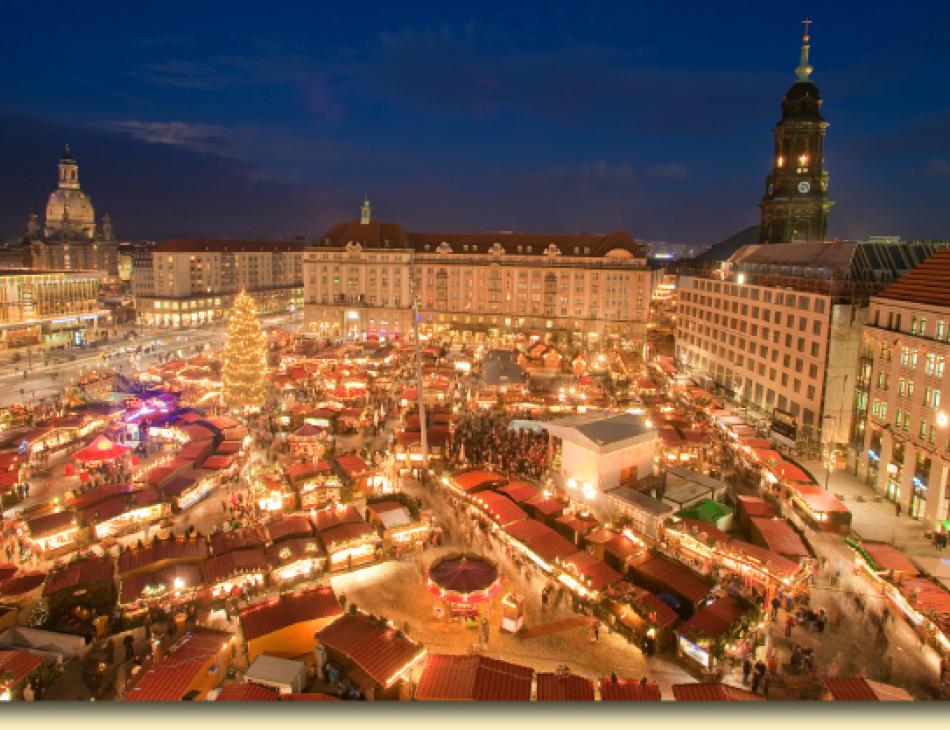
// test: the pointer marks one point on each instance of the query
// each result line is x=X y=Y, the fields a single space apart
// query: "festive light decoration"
x=245 y=357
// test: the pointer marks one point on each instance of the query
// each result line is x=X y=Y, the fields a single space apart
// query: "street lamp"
x=834 y=418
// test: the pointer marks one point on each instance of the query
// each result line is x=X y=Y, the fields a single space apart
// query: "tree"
x=245 y=357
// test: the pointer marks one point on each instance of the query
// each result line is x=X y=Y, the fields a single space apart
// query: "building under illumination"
x=902 y=417
x=358 y=282
x=191 y=282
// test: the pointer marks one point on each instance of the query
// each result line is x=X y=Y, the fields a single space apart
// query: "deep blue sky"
x=258 y=119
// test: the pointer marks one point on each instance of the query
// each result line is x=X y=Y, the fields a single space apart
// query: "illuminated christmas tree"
x=245 y=357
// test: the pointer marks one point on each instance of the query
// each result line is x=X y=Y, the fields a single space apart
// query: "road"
x=41 y=377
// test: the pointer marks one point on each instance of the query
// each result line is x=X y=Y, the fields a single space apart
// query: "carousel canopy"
x=101 y=449
x=465 y=575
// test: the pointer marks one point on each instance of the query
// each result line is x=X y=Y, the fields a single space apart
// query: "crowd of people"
x=488 y=440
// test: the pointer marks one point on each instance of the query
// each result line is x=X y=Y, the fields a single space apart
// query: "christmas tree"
x=245 y=357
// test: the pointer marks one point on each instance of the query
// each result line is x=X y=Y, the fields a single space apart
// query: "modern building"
x=190 y=282
x=901 y=415
x=49 y=307
x=361 y=276
x=779 y=328
x=796 y=204
x=69 y=238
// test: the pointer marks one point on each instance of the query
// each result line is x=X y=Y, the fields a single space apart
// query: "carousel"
x=462 y=581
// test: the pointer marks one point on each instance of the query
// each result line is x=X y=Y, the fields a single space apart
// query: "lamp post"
x=834 y=418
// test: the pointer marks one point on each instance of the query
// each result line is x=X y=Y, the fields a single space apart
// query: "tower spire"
x=803 y=72
x=365 y=211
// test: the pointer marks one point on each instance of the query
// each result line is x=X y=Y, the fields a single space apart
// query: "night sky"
x=251 y=119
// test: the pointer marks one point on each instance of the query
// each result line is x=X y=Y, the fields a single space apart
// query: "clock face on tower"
x=804 y=186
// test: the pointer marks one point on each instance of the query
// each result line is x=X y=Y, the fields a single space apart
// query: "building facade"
x=187 y=283
x=49 y=307
x=360 y=279
x=901 y=412
x=779 y=327
x=796 y=203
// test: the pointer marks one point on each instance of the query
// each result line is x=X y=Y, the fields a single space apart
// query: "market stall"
x=462 y=581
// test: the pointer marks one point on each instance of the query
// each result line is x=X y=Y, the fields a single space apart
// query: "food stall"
x=347 y=538
x=316 y=483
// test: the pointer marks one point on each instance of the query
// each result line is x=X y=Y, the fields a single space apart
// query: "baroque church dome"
x=69 y=211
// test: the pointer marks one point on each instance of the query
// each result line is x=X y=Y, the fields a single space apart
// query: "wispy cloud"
x=672 y=171
x=207 y=138
x=593 y=173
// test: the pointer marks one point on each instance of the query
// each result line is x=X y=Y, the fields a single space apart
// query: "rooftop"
x=928 y=283
x=288 y=609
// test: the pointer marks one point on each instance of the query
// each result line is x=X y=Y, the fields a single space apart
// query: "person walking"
x=129 y=644
x=897 y=508
x=789 y=625
x=821 y=620
x=746 y=670
x=776 y=604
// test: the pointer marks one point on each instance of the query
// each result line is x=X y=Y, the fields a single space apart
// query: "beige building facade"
x=360 y=279
x=188 y=283
x=773 y=348
x=902 y=397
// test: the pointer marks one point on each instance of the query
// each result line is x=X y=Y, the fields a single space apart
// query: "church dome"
x=70 y=212
x=802 y=103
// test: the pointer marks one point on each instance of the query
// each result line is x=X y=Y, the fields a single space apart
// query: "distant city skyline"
x=544 y=120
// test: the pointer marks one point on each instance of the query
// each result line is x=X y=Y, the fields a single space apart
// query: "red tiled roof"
x=120 y=504
x=218 y=461
x=331 y=517
x=240 y=539
x=889 y=557
x=780 y=537
x=628 y=690
x=928 y=283
x=169 y=678
x=546 y=506
x=716 y=618
x=576 y=523
x=7 y=570
x=376 y=650
x=818 y=500
x=351 y=464
x=449 y=677
x=308 y=469
x=247 y=692
x=501 y=509
x=344 y=533
x=859 y=689
x=564 y=687
x=19 y=664
x=925 y=595
x=672 y=575
x=595 y=573
x=288 y=609
x=776 y=564
x=698 y=527
x=519 y=491
x=234 y=563
x=541 y=539
x=84 y=500
x=289 y=526
x=472 y=481
x=226 y=245
x=755 y=506
x=158 y=551
x=23 y=583
x=713 y=692
x=664 y=616
x=80 y=572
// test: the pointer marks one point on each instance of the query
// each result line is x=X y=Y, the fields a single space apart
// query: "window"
x=939 y=334
x=898 y=418
x=874 y=407
x=901 y=385
x=929 y=362
x=939 y=368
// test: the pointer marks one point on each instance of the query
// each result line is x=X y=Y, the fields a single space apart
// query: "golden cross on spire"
x=803 y=72
x=806 y=22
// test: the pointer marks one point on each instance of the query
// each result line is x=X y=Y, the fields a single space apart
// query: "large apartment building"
x=902 y=416
x=778 y=327
x=361 y=276
x=185 y=283
x=56 y=308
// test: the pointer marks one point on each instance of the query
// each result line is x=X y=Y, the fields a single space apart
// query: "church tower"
x=796 y=204
x=68 y=171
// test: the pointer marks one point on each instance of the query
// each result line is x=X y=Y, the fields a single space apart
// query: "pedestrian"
x=756 y=679
x=129 y=644
x=789 y=625
x=766 y=680
x=613 y=678
x=821 y=620
x=746 y=670
x=897 y=508
x=644 y=681
x=776 y=604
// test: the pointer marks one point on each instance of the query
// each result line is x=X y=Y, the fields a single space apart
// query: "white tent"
x=284 y=675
